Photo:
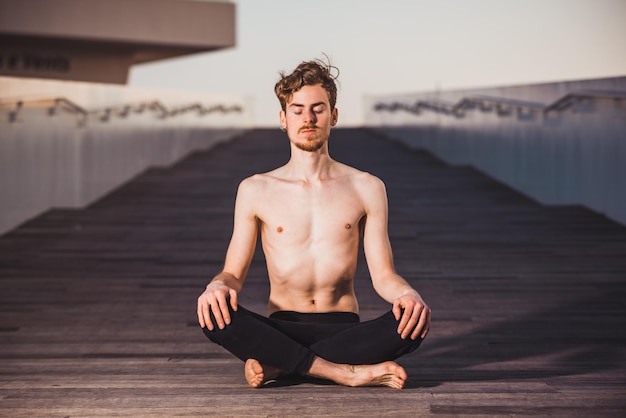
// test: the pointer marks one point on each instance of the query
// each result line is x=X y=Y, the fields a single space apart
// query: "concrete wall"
x=91 y=40
x=59 y=161
x=574 y=156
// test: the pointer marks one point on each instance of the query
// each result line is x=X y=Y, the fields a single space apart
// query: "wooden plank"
x=97 y=306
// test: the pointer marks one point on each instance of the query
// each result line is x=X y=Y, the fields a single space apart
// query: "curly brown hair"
x=308 y=73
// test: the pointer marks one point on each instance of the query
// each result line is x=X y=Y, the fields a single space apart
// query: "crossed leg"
x=258 y=374
x=388 y=373
x=248 y=334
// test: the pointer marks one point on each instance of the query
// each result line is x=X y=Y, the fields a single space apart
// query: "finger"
x=223 y=305
x=407 y=322
x=217 y=314
x=397 y=310
x=206 y=316
x=412 y=322
x=200 y=315
x=404 y=319
x=422 y=325
x=427 y=327
x=233 y=299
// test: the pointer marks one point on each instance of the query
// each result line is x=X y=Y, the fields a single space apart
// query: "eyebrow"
x=301 y=105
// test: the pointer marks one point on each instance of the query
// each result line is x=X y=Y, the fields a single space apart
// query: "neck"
x=310 y=166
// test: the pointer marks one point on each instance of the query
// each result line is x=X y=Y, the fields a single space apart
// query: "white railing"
x=67 y=144
x=502 y=106
x=559 y=143
x=83 y=116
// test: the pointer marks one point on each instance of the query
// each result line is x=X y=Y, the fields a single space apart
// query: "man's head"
x=307 y=74
x=307 y=97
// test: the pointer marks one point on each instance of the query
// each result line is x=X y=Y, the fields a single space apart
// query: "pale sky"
x=403 y=46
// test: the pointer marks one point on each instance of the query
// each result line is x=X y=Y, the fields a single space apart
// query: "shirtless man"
x=310 y=213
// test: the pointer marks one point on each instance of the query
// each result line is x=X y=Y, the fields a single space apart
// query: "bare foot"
x=258 y=374
x=389 y=373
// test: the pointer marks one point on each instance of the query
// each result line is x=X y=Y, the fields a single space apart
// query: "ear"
x=283 y=120
x=334 y=117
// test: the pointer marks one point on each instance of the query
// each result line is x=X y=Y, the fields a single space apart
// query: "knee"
x=209 y=334
x=236 y=317
x=216 y=330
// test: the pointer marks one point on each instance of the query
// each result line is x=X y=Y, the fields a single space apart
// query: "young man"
x=310 y=213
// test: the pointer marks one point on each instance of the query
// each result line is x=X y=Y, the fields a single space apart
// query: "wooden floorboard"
x=97 y=306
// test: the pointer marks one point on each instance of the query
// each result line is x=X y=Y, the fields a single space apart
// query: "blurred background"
x=499 y=127
x=94 y=92
x=400 y=46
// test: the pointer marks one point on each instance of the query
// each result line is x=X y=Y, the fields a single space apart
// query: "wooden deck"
x=97 y=306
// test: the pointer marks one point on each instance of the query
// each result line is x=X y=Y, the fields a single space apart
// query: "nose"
x=310 y=116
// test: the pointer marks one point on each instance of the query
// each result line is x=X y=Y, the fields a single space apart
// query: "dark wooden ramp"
x=97 y=306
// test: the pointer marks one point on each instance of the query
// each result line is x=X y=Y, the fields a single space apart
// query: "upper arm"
x=245 y=230
x=375 y=234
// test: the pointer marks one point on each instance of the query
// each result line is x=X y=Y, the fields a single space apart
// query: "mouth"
x=308 y=129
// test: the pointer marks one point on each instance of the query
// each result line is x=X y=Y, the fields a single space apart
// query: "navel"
x=279 y=229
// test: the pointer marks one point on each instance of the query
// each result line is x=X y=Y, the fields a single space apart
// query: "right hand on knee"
x=215 y=299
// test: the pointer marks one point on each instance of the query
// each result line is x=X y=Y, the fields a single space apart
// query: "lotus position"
x=310 y=214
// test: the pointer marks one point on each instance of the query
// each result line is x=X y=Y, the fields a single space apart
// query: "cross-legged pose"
x=311 y=213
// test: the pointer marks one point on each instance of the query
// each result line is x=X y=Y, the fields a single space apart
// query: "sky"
x=402 y=46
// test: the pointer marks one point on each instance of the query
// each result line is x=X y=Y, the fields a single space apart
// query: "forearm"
x=229 y=280
x=392 y=286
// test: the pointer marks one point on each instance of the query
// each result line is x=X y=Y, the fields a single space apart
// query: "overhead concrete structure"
x=95 y=40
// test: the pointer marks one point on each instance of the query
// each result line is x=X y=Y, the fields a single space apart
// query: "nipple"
x=279 y=229
x=348 y=226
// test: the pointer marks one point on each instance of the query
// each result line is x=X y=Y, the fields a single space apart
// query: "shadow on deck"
x=97 y=308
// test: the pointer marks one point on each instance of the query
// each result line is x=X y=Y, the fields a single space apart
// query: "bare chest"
x=299 y=215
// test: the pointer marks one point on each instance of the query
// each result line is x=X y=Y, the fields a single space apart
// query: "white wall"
x=51 y=161
x=570 y=157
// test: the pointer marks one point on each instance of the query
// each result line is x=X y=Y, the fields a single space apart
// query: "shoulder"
x=366 y=183
x=249 y=191
x=371 y=191
x=255 y=183
x=251 y=183
x=257 y=186
x=369 y=188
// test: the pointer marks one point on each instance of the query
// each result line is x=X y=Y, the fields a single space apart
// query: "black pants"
x=290 y=340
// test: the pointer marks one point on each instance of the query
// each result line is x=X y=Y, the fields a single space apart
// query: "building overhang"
x=93 y=40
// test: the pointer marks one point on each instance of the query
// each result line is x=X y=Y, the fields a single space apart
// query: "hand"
x=215 y=297
x=413 y=314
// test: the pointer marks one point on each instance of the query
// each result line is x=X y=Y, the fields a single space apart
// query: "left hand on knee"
x=413 y=314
